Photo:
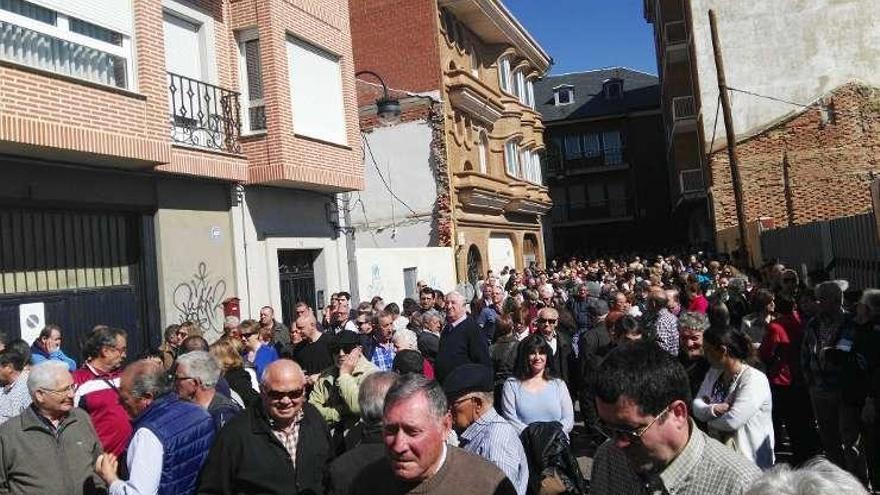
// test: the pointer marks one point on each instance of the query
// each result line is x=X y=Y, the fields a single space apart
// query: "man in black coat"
x=547 y=321
x=279 y=446
x=460 y=341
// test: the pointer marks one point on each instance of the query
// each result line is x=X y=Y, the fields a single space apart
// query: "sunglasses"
x=347 y=348
x=630 y=434
x=278 y=395
x=247 y=335
x=541 y=321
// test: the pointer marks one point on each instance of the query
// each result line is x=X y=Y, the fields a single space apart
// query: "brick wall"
x=381 y=29
x=829 y=165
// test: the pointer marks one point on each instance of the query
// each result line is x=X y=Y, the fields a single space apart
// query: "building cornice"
x=493 y=22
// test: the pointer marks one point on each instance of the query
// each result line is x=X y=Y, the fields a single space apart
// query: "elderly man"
x=97 y=389
x=482 y=431
x=14 y=396
x=335 y=394
x=195 y=380
x=827 y=345
x=691 y=325
x=368 y=447
x=171 y=437
x=660 y=323
x=278 y=446
x=642 y=398
x=461 y=341
x=52 y=446
x=270 y=325
x=429 y=338
x=377 y=346
x=48 y=346
x=547 y=321
x=416 y=423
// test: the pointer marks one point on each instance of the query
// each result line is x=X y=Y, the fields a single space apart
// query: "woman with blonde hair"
x=242 y=381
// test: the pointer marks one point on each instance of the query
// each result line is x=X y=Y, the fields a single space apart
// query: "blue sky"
x=589 y=34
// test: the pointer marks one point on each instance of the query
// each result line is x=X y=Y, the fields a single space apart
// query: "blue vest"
x=186 y=432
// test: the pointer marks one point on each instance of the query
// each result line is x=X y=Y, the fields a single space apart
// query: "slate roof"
x=640 y=92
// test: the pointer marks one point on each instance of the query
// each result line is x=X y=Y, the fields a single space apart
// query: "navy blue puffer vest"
x=186 y=432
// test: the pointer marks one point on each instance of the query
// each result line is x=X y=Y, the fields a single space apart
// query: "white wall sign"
x=32 y=318
x=215 y=233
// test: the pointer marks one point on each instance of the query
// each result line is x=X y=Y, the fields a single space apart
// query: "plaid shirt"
x=383 y=356
x=289 y=436
x=14 y=398
x=666 y=330
x=704 y=467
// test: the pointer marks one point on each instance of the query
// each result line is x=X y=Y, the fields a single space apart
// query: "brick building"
x=605 y=163
x=475 y=65
x=160 y=156
x=778 y=59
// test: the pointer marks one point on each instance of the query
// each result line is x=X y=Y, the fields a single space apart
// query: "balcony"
x=592 y=212
x=675 y=41
x=49 y=53
x=203 y=115
x=590 y=161
x=691 y=182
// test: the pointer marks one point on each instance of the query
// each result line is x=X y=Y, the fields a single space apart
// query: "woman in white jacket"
x=734 y=400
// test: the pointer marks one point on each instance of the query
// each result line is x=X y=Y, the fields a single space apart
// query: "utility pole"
x=731 y=138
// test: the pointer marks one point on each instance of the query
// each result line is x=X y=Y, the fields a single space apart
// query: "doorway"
x=296 y=273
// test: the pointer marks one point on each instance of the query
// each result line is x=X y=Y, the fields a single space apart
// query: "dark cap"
x=468 y=378
x=347 y=338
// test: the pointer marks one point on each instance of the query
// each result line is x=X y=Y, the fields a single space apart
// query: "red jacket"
x=99 y=395
x=780 y=349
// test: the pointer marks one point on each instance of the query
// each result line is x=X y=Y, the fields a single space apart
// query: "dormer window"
x=613 y=89
x=563 y=95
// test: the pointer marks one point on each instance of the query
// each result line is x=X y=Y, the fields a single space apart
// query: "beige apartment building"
x=161 y=156
x=478 y=65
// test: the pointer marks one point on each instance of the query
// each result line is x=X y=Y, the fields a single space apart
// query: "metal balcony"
x=683 y=107
x=691 y=181
x=675 y=32
x=203 y=115
x=585 y=161
x=606 y=210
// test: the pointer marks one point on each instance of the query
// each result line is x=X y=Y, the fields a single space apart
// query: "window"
x=316 y=92
x=591 y=146
x=613 y=89
x=511 y=155
x=563 y=95
x=530 y=94
x=525 y=164
x=483 y=152
x=612 y=148
x=475 y=63
x=537 y=168
x=184 y=47
x=254 y=115
x=504 y=75
x=521 y=90
x=46 y=39
x=572 y=146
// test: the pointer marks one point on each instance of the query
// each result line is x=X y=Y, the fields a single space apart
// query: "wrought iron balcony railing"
x=42 y=51
x=606 y=209
x=204 y=115
x=557 y=162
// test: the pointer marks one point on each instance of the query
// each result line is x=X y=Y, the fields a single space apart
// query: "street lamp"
x=387 y=108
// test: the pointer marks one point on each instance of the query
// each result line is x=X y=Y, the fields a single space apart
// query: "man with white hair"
x=52 y=446
x=817 y=477
x=460 y=341
x=195 y=380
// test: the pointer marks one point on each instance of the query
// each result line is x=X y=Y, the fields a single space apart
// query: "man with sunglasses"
x=654 y=447
x=335 y=393
x=548 y=320
x=279 y=446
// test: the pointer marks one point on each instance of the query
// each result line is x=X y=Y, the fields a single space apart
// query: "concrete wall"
x=793 y=50
x=272 y=219
x=403 y=154
x=195 y=253
x=380 y=271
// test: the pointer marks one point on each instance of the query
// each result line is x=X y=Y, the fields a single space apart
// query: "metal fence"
x=845 y=248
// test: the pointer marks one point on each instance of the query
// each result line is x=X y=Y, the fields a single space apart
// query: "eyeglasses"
x=278 y=395
x=631 y=435
x=462 y=400
x=347 y=348
x=61 y=391
x=359 y=323
x=245 y=336
x=541 y=321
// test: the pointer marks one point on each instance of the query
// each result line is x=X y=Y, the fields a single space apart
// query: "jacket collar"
x=32 y=420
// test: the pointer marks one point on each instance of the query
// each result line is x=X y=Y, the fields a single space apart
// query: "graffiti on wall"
x=377 y=286
x=200 y=299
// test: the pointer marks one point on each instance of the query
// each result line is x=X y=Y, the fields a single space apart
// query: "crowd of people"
x=683 y=374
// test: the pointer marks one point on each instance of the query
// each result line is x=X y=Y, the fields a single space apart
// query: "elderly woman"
x=407 y=340
x=534 y=392
x=691 y=326
x=734 y=399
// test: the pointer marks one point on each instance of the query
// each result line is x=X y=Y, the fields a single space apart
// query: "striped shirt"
x=494 y=439
x=704 y=467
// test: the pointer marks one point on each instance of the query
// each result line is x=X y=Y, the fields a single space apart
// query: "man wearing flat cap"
x=335 y=393
x=482 y=431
